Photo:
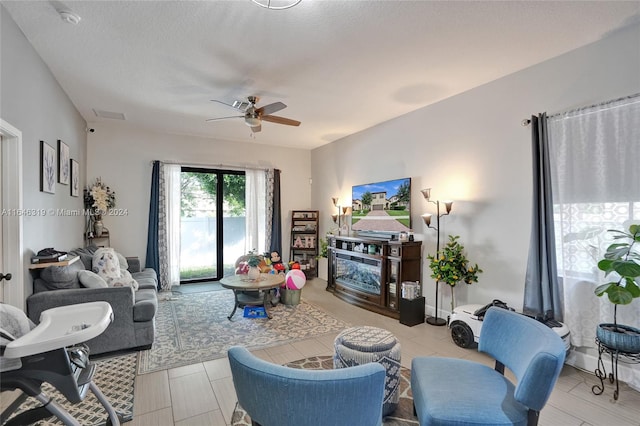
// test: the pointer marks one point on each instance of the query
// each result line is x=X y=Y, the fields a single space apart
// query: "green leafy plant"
x=450 y=265
x=253 y=260
x=324 y=248
x=622 y=258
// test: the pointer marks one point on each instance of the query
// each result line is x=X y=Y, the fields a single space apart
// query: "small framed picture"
x=47 y=168
x=75 y=178
x=63 y=163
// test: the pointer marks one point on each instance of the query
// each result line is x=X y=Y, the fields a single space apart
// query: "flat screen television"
x=381 y=208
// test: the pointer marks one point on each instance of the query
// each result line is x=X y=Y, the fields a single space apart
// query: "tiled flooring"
x=203 y=393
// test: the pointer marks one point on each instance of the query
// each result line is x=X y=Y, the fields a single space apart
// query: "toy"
x=276 y=262
x=242 y=269
x=295 y=279
x=465 y=323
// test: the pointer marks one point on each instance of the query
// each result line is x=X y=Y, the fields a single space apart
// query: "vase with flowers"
x=98 y=199
x=450 y=265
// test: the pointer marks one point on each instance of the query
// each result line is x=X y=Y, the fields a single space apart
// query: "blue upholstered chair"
x=450 y=391
x=274 y=395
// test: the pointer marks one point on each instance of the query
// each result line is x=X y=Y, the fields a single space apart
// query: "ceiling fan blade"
x=241 y=105
x=256 y=129
x=224 y=118
x=271 y=108
x=220 y=102
x=280 y=120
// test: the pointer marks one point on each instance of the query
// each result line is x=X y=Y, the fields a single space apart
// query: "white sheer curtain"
x=255 y=199
x=596 y=187
x=172 y=205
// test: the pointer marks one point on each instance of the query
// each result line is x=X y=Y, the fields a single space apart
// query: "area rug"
x=114 y=377
x=402 y=416
x=193 y=328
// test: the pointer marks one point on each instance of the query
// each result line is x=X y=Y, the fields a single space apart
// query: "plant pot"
x=98 y=228
x=625 y=338
x=290 y=297
x=323 y=268
x=253 y=273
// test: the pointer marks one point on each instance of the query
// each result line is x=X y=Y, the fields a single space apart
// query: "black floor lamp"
x=434 y=320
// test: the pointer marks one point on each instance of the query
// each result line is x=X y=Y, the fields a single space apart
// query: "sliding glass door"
x=212 y=223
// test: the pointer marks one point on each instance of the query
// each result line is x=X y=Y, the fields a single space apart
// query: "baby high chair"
x=51 y=352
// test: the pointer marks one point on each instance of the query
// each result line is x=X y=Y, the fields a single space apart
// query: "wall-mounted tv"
x=381 y=207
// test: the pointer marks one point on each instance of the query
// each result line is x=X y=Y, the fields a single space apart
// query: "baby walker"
x=51 y=352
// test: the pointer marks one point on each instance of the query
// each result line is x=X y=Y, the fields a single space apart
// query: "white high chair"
x=49 y=353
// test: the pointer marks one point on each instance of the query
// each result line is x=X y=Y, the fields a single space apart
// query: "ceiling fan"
x=253 y=116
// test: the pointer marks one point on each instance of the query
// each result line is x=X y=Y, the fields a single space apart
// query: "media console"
x=368 y=272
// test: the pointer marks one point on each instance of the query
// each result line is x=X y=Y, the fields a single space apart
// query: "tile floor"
x=203 y=393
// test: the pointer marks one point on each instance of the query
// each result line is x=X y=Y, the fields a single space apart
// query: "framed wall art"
x=47 y=168
x=63 y=163
x=75 y=178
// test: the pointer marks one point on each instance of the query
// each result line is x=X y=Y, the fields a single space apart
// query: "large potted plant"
x=623 y=259
x=450 y=265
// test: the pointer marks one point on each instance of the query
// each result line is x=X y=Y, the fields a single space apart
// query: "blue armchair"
x=461 y=392
x=274 y=395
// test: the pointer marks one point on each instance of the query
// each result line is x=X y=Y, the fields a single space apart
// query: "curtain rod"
x=213 y=166
x=527 y=121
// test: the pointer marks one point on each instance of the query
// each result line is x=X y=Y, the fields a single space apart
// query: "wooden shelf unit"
x=304 y=241
x=368 y=272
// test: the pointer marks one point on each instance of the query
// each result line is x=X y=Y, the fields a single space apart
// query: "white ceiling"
x=340 y=66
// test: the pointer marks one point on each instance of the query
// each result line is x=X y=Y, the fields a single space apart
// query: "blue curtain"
x=276 y=219
x=153 y=254
x=542 y=291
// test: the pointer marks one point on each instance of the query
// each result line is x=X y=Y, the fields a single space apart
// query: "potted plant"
x=622 y=258
x=323 y=254
x=254 y=262
x=450 y=265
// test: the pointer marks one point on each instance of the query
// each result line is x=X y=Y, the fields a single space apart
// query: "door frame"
x=12 y=249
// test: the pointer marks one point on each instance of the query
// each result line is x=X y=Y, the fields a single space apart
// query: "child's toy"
x=295 y=279
x=465 y=323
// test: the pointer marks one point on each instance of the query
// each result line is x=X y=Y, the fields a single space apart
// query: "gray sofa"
x=133 y=325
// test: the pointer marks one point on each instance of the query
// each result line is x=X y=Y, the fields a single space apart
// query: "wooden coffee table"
x=241 y=284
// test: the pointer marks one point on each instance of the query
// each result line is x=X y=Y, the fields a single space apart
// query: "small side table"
x=616 y=355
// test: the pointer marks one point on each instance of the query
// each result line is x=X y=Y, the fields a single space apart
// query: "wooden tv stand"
x=368 y=272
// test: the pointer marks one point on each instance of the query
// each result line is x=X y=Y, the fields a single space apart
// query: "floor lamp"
x=434 y=320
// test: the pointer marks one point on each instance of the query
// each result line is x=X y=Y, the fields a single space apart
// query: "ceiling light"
x=70 y=17
x=276 y=4
x=251 y=121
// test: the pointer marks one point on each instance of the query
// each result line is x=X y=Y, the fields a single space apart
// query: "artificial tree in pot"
x=622 y=257
x=450 y=265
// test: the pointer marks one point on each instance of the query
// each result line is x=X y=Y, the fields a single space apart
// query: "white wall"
x=122 y=156
x=472 y=149
x=32 y=101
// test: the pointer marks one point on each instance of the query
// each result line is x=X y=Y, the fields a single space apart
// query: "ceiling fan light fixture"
x=276 y=4
x=252 y=121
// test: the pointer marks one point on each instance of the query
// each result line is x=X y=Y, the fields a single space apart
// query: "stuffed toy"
x=276 y=263
x=107 y=265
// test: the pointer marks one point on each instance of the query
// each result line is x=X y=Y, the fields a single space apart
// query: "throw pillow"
x=123 y=261
x=91 y=280
x=61 y=277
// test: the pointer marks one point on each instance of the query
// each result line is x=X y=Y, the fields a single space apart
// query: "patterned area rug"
x=193 y=328
x=402 y=416
x=114 y=377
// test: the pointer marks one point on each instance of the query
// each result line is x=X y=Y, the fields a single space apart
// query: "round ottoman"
x=360 y=345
